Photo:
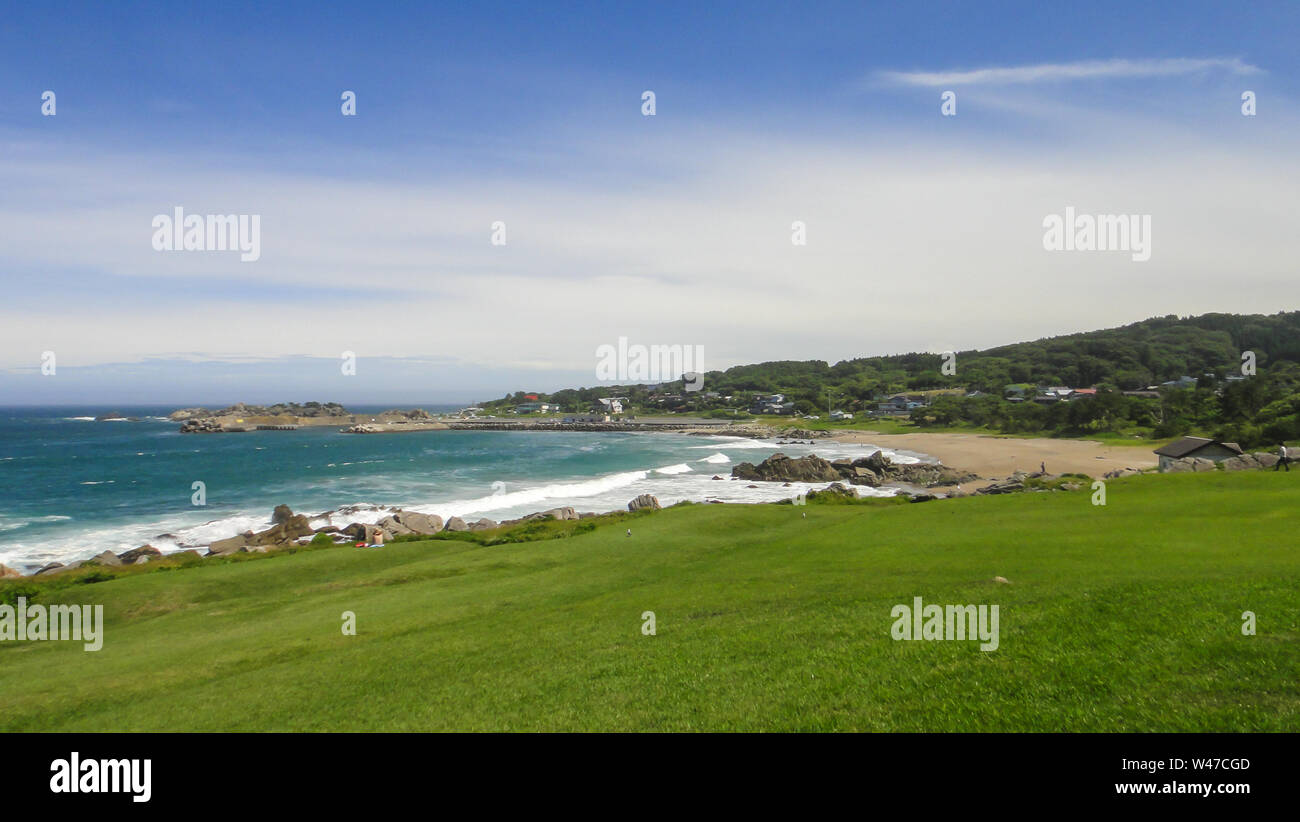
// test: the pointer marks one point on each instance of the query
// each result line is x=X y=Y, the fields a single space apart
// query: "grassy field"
x=1118 y=618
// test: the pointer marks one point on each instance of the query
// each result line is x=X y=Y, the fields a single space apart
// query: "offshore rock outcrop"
x=873 y=471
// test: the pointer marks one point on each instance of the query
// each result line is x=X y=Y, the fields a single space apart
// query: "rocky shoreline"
x=914 y=481
x=291 y=530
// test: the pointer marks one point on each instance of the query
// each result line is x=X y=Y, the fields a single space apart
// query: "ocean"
x=71 y=487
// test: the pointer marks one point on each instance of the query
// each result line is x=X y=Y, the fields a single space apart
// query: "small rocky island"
x=292 y=415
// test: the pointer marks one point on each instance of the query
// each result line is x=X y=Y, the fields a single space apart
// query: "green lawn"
x=1118 y=618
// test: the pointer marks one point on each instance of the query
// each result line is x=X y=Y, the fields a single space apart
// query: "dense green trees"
x=1260 y=408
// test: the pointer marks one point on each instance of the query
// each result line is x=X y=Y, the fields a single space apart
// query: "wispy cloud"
x=903 y=240
x=1057 y=72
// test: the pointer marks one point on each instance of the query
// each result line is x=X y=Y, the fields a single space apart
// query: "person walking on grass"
x=1283 y=461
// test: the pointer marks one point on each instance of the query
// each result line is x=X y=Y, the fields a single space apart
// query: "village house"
x=1053 y=394
x=1196 y=447
x=893 y=405
x=611 y=405
x=537 y=408
x=772 y=404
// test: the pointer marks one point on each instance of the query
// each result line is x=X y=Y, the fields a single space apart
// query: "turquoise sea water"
x=71 y=487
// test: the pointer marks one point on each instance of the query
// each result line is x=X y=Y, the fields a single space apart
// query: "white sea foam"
x=8 y=523
x=716 y=459
x=552 y=495
x=734 y=442
x=679 y=468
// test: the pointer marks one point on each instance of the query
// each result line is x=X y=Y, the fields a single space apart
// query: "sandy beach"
x=996 y=457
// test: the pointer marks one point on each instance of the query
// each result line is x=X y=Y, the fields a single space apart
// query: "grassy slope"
x=1125 y=617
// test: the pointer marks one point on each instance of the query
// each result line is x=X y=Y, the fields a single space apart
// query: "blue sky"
x=672 y=229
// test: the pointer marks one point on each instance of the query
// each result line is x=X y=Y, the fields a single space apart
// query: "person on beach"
x=379 y=537
x=1282 y=459
x=1042 y=467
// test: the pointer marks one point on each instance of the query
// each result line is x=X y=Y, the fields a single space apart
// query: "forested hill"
x=1225 y=399
x=1130 y=357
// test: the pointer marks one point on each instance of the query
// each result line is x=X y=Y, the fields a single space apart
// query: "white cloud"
x=1082 y=70
x=906 y=245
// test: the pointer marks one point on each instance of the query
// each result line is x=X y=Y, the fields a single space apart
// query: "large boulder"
x=58 y=567
x=645 y=502
x=284 y=532
x=142 y=554
x=483 y=524
x=280 y=534
x=417 y=523
x=104 y=558
x=780 y=468
x=554 y=513
x=1242 y=463
x=8 y=573
x=229 y=545
x=1186 y=464
x=1265 y=459
x=400 y=523
x=355 y=530
x=877 y=462
x=878 y=469
x=280 y=514
x=456 y=524
x=929 y=474
x=834 y=489
x=204 y=425
x=392 y=527
x=1121 y=472
x=861 y=475
x=1008 y=486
